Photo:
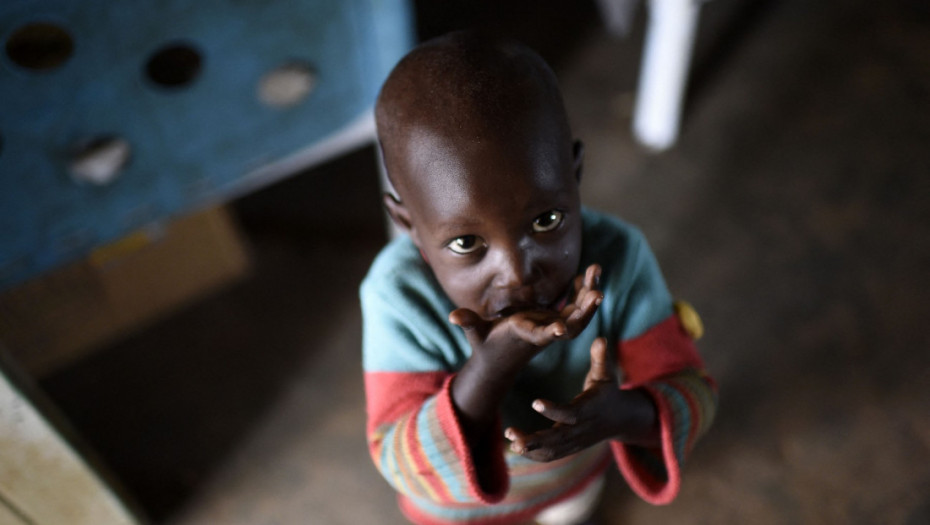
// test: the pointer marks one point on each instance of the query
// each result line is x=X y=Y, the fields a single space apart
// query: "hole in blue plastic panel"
x=175 y=65
x=40 y=46
x=101 y=160
x=287 y=85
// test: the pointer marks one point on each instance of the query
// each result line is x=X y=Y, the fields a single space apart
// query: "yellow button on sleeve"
x=690 y=319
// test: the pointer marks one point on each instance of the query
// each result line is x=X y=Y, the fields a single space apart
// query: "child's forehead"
x=458 y=177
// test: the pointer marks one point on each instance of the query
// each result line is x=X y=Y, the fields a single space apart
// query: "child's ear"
x=399 y=213
x=577 y=158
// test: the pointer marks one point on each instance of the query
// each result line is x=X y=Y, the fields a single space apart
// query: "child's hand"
x=513 y=340
x=602 y=411
x=502 y=347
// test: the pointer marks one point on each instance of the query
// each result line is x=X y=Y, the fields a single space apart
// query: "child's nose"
x=514 y=268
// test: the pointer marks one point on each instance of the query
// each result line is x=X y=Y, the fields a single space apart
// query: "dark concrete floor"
x=794 y=213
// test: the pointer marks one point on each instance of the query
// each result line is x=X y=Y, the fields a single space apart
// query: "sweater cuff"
x=451 y=426
x=654 y=474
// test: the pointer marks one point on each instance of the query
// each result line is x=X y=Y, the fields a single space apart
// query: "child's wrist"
x=639 y=422
x=503 y=360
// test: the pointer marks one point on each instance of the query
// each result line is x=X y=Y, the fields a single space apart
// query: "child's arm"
x=500 y=349
x=665 y=363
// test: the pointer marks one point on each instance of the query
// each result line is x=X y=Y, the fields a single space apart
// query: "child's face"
x=499 y=221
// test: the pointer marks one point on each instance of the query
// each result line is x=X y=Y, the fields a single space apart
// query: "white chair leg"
x=666 y=58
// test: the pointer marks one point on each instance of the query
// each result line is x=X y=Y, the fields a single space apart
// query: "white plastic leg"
x=666 y=58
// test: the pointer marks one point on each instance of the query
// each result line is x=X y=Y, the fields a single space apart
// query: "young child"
x=510 y=312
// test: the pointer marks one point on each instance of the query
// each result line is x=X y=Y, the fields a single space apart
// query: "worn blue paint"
x=190 y=145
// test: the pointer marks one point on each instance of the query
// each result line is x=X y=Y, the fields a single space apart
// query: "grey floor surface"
x=793 y=213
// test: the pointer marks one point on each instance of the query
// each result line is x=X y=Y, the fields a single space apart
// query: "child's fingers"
x=579 y=284
x=584 y=284
x=588 y=304
x=534 y=446
x=474 y=326
x=564 y=414
x=591 y=276
x=536 y=333
x=517 y=440
x=546 y=445
x=589 y=279
x=581 y=315
x=601 y=368
x=600 y=363
x=465 y=318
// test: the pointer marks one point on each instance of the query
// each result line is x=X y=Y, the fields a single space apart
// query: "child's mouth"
x=566 y=297
x=555 y=306
x=514 y=309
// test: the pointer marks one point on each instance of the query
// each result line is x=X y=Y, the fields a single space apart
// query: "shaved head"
x=467 y=89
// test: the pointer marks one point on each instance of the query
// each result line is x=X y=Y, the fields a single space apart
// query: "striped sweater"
x=411 y=354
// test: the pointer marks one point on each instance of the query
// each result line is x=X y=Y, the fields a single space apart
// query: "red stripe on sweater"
x=662 y=350
x=382 y=391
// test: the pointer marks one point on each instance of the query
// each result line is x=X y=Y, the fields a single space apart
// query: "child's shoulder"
x=398 y=259
x=609 y=236
x=400 y=252
x=635 y=294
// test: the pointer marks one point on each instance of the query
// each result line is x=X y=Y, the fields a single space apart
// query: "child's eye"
x=465 y=244
x=548 y=221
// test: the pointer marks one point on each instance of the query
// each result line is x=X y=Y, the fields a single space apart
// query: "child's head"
x=477 y=146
